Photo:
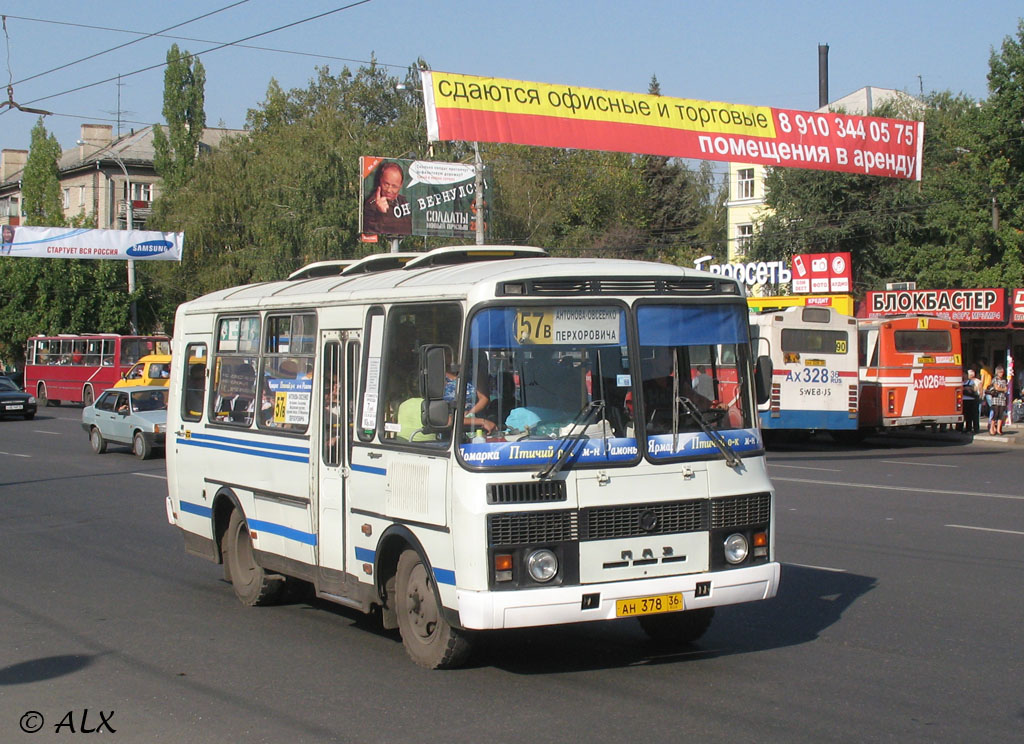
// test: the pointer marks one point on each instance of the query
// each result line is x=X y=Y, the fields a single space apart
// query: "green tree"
x=184 y=98
x=40 y=184
x=55 y=295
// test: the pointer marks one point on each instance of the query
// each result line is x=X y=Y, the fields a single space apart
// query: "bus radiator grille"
x=637 y=520
x=527 y=528
x=536 y=492
x=739 y=511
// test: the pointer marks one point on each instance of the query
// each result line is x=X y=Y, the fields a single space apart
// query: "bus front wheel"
x=253 y=586
x=678 y=628
x=428 y=638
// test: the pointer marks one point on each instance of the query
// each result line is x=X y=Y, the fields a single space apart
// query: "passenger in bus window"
x=658 y=373
x=476 y=400
x=236 y=404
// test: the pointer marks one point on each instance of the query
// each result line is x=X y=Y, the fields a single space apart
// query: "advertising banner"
x=480 y=109
x=970 y=305
x=1018 y=306
x=418 y=197
x=822 y=273
x=25 y=241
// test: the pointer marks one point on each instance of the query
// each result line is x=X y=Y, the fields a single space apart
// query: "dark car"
x=14 y=401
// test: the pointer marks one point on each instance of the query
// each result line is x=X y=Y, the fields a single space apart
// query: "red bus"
x=77 y=368
x=910 y=372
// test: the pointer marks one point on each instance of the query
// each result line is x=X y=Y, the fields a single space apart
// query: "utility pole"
x=479 y=194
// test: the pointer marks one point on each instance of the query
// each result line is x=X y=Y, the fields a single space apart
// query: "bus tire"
x=253 y=586
x=428 y=638
x=677 y=628
x=87 y=396
x=142 y=449
x=96 y=441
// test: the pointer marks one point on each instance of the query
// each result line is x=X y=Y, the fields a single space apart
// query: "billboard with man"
x=418 y=197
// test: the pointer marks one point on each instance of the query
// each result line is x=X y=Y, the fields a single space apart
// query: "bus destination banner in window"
x=25 y=241
x=481 y=109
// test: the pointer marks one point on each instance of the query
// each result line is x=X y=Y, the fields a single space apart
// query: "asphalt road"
x=899 y=619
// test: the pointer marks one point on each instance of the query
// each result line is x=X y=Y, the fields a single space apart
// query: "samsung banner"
x=480 y=109
x=25 y=241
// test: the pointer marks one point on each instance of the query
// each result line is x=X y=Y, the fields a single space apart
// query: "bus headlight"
x=736 y=548
x=542 y=565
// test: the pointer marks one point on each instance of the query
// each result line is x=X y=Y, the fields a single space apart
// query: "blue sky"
x=741 y=52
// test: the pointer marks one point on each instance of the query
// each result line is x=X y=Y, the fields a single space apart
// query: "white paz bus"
x=477 y=438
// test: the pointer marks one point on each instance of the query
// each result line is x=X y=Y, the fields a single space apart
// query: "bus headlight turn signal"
x=736 y=548
x=542 y=565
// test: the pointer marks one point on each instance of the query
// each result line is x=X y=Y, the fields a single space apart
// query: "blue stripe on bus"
x=258 y=525
x=369 y=469
x=190 y=508
x=441 y=575
x=194 y=442
x=823 y=420
x=444 y=576
x=259 y=444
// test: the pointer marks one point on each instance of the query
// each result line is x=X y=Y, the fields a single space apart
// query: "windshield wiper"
x=568 y=443
x=731 y=458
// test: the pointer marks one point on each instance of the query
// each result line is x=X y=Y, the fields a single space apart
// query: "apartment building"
x=105 y=177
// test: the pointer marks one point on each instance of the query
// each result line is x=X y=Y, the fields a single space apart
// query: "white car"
x=132 y=416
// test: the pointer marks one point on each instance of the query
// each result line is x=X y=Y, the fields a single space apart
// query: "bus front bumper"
x=565 y=604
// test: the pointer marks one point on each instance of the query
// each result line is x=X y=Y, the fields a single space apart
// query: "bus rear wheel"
x=678 y=628
x=253 y=586
x=87 y=396
x=428 y=638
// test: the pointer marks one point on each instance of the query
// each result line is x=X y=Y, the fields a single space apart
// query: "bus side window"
x=194 y=383
x=333 y=419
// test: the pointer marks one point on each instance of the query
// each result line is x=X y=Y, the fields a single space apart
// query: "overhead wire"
x=128 y=43
x=193 y=55
x=174 y=37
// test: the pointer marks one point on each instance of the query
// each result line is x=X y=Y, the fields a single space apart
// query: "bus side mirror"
x=763 y=378
x=435 y=411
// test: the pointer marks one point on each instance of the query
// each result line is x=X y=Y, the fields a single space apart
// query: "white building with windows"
x=99 y=176
x=745 y=207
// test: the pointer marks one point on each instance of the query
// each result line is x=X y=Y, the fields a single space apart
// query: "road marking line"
x=985 y=529
x=902 y=488
x=14 y=454
x=804 y=467
x=923 y=464
x=816 y=568
x=40 y=431
x=150 y=475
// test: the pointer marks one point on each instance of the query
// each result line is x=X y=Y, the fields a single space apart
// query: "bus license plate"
x=648 y=605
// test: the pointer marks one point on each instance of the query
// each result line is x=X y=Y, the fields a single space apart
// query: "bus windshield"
x=561 y=378
x=550 y=373
x=695 y=379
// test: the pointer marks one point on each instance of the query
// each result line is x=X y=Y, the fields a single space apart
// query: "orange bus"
x=910 y=372
x=77 y=368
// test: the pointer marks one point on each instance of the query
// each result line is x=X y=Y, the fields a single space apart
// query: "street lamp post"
x=129 y=225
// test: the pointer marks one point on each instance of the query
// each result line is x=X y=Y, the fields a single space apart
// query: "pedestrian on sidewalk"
x=972 y=399
x=998 y=390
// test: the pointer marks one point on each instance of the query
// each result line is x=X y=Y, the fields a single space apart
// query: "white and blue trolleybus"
x=477 y=438
x=814 y=365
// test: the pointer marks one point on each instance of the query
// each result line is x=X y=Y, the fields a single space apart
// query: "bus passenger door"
x=339 y=355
